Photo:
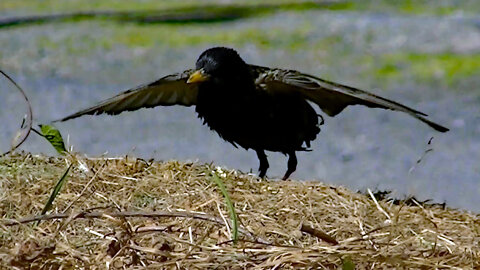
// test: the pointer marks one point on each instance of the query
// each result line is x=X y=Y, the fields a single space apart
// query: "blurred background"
x=68 y=55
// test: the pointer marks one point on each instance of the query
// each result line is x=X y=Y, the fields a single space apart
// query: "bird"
x=254 y=107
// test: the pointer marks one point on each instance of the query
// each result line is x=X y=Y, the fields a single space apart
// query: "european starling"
x=254 y=107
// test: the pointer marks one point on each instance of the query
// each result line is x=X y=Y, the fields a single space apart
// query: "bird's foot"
x=285 y=177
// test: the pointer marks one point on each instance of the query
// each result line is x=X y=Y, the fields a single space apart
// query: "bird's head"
x=220 y=65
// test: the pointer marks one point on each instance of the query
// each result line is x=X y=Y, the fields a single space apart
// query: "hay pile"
x=128 y=213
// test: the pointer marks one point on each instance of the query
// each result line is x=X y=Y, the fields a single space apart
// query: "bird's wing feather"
x=169 y=90
x=331 y=97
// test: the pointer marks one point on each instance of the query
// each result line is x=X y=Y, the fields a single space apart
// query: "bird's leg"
x=263 y=163
x=292 y=165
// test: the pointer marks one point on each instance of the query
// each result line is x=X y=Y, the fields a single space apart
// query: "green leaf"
x=54 y=137
x=55 y=191
x=231 y=209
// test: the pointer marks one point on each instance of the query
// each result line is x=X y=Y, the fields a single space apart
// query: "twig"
x=318 y=233
x=26 y=126
x=378 y=206
x=156 y=214
x=364 y=234
x=428 y=150
x=227 y=225
x=85 y=188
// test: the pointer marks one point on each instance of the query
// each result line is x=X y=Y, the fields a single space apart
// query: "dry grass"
x=99 y=229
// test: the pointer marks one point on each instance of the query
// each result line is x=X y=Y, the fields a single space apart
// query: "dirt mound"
x=131 y=213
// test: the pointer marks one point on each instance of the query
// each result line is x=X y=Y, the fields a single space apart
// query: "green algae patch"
x=177 y=36
x=407 y=6
x=181 y=15
x=416 y=7
x=448 y=67
x=77 y=5
x=129 y=213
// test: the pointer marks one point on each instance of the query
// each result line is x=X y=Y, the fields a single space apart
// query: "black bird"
x=254 y=107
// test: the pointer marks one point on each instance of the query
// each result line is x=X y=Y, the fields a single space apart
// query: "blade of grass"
x=230 y=207
x=55 y=192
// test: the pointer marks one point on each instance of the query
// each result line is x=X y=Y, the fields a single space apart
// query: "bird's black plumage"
x=251 y=106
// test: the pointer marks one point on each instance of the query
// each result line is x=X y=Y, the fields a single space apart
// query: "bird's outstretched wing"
x=169 y=90
x=331 y=97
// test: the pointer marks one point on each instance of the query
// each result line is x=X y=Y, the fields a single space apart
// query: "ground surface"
x=118 y=212
x=420 y=53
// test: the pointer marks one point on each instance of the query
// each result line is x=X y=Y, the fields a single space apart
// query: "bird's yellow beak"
x=198 y=76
